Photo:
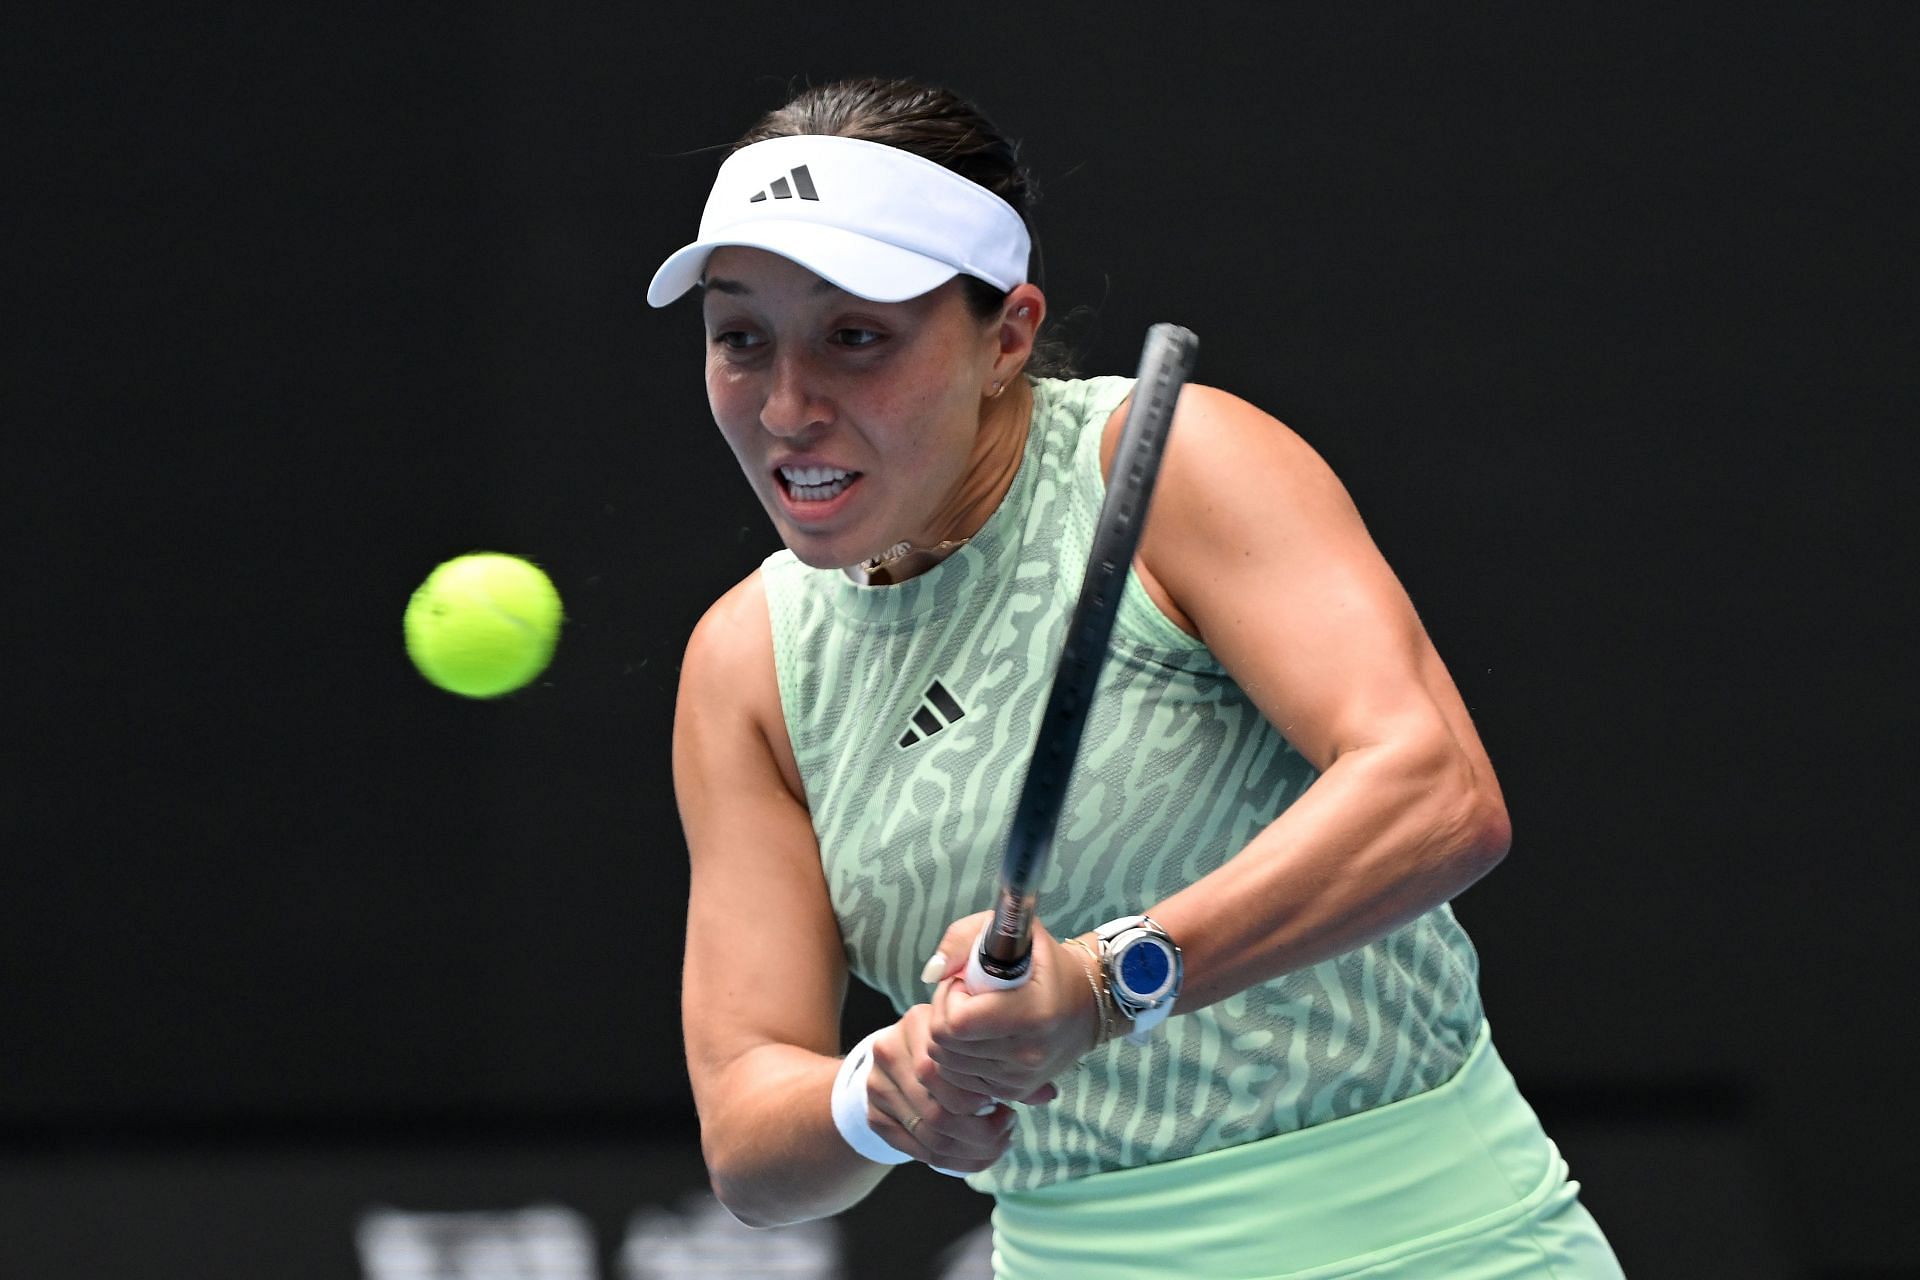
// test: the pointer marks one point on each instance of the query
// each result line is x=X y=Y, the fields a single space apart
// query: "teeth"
x=821 y=492
x=816 y=484
x=814 y=476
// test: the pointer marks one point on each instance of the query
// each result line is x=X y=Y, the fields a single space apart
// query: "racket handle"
x=979 y=980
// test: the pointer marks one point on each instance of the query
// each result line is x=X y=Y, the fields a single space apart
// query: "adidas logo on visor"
x=937 y=711
x=802 y=186
x=905 y=224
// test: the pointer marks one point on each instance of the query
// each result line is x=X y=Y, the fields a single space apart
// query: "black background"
x=1606 y=319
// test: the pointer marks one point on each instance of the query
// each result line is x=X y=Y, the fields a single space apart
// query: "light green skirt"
x=1459 y=1182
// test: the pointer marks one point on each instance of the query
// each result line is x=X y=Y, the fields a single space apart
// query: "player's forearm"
x=772 y=1152
x=1385 y=835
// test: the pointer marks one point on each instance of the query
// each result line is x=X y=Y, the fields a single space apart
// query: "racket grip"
x=978 y=979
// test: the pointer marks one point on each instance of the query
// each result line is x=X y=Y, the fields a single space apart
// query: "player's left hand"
x=1012 y=1044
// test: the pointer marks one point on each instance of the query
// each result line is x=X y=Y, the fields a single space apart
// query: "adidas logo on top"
x=802 y=186
x=937 y=711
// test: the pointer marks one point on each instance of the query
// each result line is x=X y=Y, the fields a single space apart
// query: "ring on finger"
x=912 y=1120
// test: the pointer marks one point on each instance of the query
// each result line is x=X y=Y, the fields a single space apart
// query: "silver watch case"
x=1143 y=971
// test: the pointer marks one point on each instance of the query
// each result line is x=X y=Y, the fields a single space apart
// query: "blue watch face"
x=1145 y=968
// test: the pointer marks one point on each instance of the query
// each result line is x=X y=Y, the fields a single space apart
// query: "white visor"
x=881 y=223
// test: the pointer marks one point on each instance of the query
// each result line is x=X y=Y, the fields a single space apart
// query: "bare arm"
x=765 y=976
x=1254 y=546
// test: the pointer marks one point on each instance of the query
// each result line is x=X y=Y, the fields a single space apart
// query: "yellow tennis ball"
x=484 y=624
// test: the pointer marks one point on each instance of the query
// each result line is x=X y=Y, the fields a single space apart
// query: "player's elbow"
x=1478 y=830
x=763 y=1207
x=747 y=1198
x=744 y=1211
x=1488 y=833
x=1459 y=827
x=762 y=1193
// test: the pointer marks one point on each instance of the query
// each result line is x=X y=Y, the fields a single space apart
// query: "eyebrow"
x=720 y=284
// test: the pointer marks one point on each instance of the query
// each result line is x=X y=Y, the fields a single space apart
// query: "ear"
x=1020 y=319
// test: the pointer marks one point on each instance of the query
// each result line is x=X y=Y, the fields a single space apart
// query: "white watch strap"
x=1117 y=926
x=1149 y=1019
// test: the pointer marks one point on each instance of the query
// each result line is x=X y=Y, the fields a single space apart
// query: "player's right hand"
x=918 y=1112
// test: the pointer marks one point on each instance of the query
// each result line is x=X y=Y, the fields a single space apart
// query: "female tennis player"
x=1252 y=1044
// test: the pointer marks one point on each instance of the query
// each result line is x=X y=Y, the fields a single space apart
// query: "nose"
x=793 y=404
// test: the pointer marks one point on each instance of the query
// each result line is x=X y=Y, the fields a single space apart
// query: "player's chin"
x=818 y=553
x=821 y=548
x=820 y=542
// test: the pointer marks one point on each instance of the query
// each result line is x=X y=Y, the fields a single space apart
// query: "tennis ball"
x=483 y=624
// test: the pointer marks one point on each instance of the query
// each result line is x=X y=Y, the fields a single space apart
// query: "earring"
x=998 y=387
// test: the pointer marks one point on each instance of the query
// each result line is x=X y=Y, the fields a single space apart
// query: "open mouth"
x=815 y=484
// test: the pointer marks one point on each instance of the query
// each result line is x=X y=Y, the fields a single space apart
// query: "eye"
x=736 y=339
x=856 y=337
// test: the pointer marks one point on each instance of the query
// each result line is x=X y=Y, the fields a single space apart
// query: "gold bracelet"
x=1102 y=1003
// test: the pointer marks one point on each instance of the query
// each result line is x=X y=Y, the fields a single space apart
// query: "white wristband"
x=850 y=1106
x=850 y=1109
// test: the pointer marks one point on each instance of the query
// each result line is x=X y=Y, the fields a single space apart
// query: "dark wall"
x=1607 y=323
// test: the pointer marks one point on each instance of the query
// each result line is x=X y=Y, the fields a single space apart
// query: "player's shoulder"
x=1218 y=435
x=730 y=651
x=729 y=716
x=1235 y=476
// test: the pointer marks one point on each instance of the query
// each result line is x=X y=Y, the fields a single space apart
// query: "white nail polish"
x=934 y=969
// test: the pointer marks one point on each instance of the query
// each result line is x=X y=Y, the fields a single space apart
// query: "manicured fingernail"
x=934 y=969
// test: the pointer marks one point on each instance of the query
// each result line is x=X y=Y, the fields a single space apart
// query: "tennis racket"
x=1002 y=958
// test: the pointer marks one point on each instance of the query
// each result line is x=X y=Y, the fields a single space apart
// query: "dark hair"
x=938 y=125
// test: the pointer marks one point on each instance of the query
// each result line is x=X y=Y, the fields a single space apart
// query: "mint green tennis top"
x=912 y=709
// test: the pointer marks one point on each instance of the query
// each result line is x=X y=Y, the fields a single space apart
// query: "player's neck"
x=1003 y=442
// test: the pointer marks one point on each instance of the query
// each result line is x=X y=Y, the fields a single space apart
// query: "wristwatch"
x=1143 y=971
